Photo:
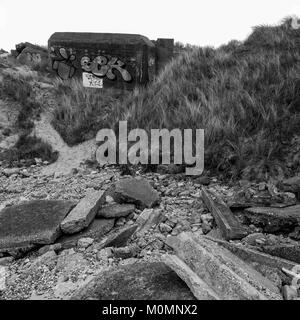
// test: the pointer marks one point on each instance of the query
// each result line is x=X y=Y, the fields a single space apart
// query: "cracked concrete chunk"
x=32 y=222
x=274 y=219
x=84 y=213
x=230 y=277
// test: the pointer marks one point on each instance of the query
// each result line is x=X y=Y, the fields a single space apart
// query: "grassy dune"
x=246 y=95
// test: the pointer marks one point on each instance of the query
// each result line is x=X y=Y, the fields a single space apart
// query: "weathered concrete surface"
x=274 y=219
x=96 y=230
x=229 y=226
x=119 y=238
x=137 y=191
x=230 y=277
x=253 y=256
x=198 y=287
x=285 y=251
x=122 y=61
x=84 y=213
x=32 y=222
x=115 y=211
x=139 y=281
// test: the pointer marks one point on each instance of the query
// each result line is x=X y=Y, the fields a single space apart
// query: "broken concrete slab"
x=115 y=210
x=137 y=191
x=32 y=223
x=96 y=230
x=274 y=219
x=138 y=281
x=230 y=277
x=285 y=251
x=119 y=238
x=257 y=259
x=198 y=287
x=229 y=225
x=84 y=212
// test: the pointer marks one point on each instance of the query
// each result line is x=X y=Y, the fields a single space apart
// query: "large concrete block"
x=227 y=275
x=32 y=222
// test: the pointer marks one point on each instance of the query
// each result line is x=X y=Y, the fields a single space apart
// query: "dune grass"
x=246 y=95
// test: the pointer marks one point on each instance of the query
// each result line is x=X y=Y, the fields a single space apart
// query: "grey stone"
x=119 y=238
x=84 y=242
x=289 y=292
x=96 y=230
x=84 y=213
x=115 y=211
x=137 y=191
x=142 y=281
x=274 y=219
x=34 y=222
x=6 y=261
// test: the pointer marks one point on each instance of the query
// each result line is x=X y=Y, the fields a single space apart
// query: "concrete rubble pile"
x=197 y=239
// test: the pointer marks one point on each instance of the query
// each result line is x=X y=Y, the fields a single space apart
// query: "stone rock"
x=96 y=230
x=138 y=281
x=115 y=211
x=203 y=180
x=292 y=184
x=137 y=191
x=104 y=254
x=55 y=247
x=6 y=261
x=119 y=238
x=252 y=238
x=206 y=228
x=84 y=213
x=31 y=223
x=10 y=171
x=273 y=219
x=84 y=242
x=164 y=228
x=126 y=252
x=289 y=292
